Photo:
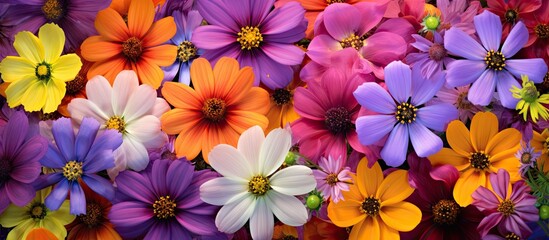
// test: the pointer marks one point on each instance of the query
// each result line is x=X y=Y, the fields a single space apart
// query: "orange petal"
x=401 y=216
x=97 y=48
x=368 y=179
x=244 y=79
x=178 y=120
x=148 y=73
x=161 y=31
x=202 y=77
x=181 y=96
x=449 y=156
x=40 y=234
x=225 y=72
x=537 y=141
x=189 y=143
x=484 y=127
x=242 y=120
x=387 y=232
x=395 y=188
x=511 y=164
x=459 y=138
x=163 y=55
x=467 y=183
x=274 y=115
x=345 y=213
x=256 y=100
x=140 y=17
x=366 y=229
x=507 y=139
x=218 y=134
x=108 y=69
x=109 y=24
x=317 y=5
x=121 y=6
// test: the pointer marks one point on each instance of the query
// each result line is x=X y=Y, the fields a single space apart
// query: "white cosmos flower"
x=132 y=109
x=252 y=188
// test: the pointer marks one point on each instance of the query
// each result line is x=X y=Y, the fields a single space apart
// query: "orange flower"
x=540 y=142
x=319 y=229
x=75 y=88
x=282 y=231
x=137 y=45
x=222 y=105
x=282 y=109
x=478 y=153
x=40 y=234
x=375 y=205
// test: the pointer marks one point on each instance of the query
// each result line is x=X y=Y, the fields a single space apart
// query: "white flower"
x=250 y=188
x=132 y=109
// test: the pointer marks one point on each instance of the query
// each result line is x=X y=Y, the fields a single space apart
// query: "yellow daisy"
x=530 y=100
x=37 y=76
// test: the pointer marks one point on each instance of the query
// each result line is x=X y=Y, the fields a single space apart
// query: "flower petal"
x=63 y=134
x=520 y=67
x=66 y=67
x=437 y=116
x=373 y=97
x=213 y=37
x=229 y=162
x=461 y=44
x=480 y=91
x=484 y=127
x=401 y=216
x=489 y=29
x=53 y=37
x=16 y=68
x=286 y=54
x=398 y=77
x=249 y=144
x=124 y=85
x=85 y=137
x=233 y=216
x=262 y=221
x=396 y=146
x=110 y=25
x=274 y=150
x=394 y=188
x=505 y=82
x=467 y=183
x=287 y=209
x=222 y=191
x=372 y=128
x=29 y=46
x=293 y=180
x=517 y=38
x=140 y=17
x=424 y=141
x=456 y=76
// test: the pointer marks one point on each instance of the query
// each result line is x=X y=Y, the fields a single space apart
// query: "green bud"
x=431 y=22
x=290 y=159
x=313 y=201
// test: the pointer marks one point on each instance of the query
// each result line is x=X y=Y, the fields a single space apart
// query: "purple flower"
x=75 y=17
x=6 y=33
x=163 y=204
x=432 y=57
x=77 y=158
x=332 y=178
x=248 y=31
x=458 y=97
x=527 y=156
x=488 y=65
x=19 y=161
x=401 y=114
x=509 y=211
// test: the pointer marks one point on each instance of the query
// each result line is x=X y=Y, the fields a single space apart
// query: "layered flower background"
x=274 y=119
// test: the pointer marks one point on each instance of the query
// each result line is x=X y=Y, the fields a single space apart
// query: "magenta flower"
x=253 y=34
x=20 y=153
x=508 y=210
x=488 y=65
x=163 y=203
x=432 y=56
x=401 y=114
x=332 y=178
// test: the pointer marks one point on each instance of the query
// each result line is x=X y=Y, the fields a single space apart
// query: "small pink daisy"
x=332 y=178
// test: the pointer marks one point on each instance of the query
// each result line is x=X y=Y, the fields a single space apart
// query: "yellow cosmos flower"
x=375 y=205
x=35 y=216
x=37 y=76
x=530 y=100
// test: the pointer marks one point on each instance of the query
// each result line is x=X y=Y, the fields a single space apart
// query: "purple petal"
x=421 y=43
x=212 y=37
x=424 y=141
x=341 y=20
x=373 y=97
x=464 y=72
x=398 y=77
x=394 y=151
x=26 y=166
x=481 y=90
x=504 y=84
x=15 y=132
x=232 y=50
x=534 y=68
x=287 y=54
x=102 y=160
x=274 y=75
x=372 y=128
x=5 y=201
x=437 y=116
x=107 y=140
x=484 y=199
x=179 y=175
x=308 y=105
x=197 y=224
x=290 y=36
x=185 y=73
x=461 y=44
x=63 y=134
x=489 y=29
x=99 y=185
x=48 y=180
x=19 y=193
x=158 y=176
x=78 y=199
x=500 y=182
x=489 y=222
x=57 y=195
x=85 y=137
x=136 y=186
x=215 y=13
x=518 y=37
x=283 y=19
x=371 y=14
x=424 y=89
x=53 y=159
x=131 y=214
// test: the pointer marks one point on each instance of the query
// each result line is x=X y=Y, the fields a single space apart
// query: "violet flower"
x=432 y=56
x=332 y=178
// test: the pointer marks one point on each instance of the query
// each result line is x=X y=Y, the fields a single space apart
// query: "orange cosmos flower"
x=540 y=142
x=375 y=205
x=222 y=105
x=137 y=45
x=478 y=153
x=40 y=234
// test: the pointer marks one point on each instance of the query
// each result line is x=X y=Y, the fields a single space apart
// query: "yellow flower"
x=530 y=100
x=34 y=216
x=37 y=76
x=375 y=205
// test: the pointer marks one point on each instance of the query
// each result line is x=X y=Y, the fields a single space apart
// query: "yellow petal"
x=387 y=232
x=13 y=216
x=16 y=90
x=62 y=215
x=34 y=97
x=53 y=40
x=22 y=230
x=507 y=139
x=459 y=138
x=467 y=183
x=484 y=127
x=15 y=68
x=345 y=213
x=55 y=91
x=401 y=216
x=395 y=188
x=367 y=229
x=66 y=67
x=368 y=179
x=55 y=227
x=29 y=47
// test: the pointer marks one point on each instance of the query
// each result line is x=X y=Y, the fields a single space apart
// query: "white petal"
x=222 y=191
x=274 y=150
x=80 y=108
x=124 y=85
x=232 y=217
x=229 y=162
x=249 y=144
x=146 y=130
x=262 y=221
x=99 y=91
x=140 y=103
x=132 y=153
x=288 y=209
x=293 y=180
x=160 y=107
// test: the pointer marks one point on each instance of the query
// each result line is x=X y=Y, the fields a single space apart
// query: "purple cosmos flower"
x=164 y=203
x=332 y=178
x=186 y=51
x=400 y=113
x=6 y=33
x=75 y=17
x=432 y=57
x=509 y=211
x=77 y=158
x=20 y=153
x=488 y=65
x=527 y=156
x=248 y=31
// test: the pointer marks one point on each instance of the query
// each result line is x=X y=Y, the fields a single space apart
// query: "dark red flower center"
x=5 y=169
x=50 y=116
x=437 y=52
x=186 y=51
x=331 y=179
x=512 y=236
x=38 y=211
x=132 y=49
x=406 y=113
x=288 y=237
x=164 y=207
x=370 y=206
x=76 y=85
x=511 y=16
x=479 y=160
x=281 y=96
x=338 y=120
x=494 y=60
x=462 y=102
x=214 y=109
x=54 y=9
x=506 y=207
x=544 y=86
x=542 y=30
x=445 y=212
x=526 y=158
x=93 y=216
x=334 y=1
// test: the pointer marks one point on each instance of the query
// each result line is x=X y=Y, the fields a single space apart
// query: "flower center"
x=93 y=216
x=72 y=170
x=370 y=206
x=529 y=93
x=543 y=87
x=214 y=109
x=334 y=1
x=331 y=179
x=542 y=30
x=437 y=52
x=281 y=96
x=249 y=37
x=259 y=185
x=511 y=16
x=53 y=9
x=116 y=123
x=5 y=169
x=480 y=160
x=431 y=22
x=186 y=51
x=406 y=113
x=38 y=211
x=338 y=120
x=164 y=207
x=445 y=212
x=353 y=41
x=512 y=236
x=462 y=102
x=507 y=207
x=526 y=158
x=76 y=85
x=288 y=237
x=495 y=60
x=50 y=116
x=43 y=71
x=132 y=49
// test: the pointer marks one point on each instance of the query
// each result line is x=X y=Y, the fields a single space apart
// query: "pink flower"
x=332 y=178
x=458 y=97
